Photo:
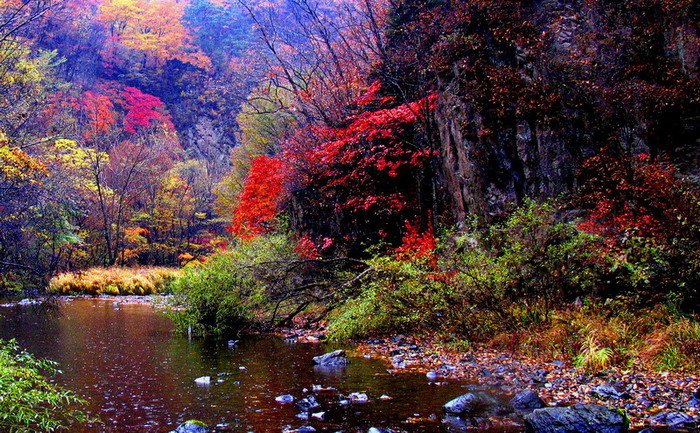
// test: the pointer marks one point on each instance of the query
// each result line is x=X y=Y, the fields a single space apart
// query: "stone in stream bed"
x=337 y=358
x=308 y=403
x=287 y=398
x=191 y=426
x=675 y=420
x=474 y=403
x=456 y=424
x=609 y=391
x=527 y=400
x=379 y=430
x=204 y=380
x=578 y=418
x=358 y=397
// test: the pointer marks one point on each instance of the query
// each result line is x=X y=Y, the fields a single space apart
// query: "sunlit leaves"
x=148 y=28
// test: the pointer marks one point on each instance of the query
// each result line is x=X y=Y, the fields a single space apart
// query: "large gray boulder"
x=333 y=359
x=192 y=426
x=474 y=403
x=578 y=418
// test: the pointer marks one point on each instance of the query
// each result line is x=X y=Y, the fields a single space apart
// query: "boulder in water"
x=337 y=358
x=473 y=403
x=204 y=380
x=358 y=397
x=191 y=426
x=308 y=403
x=287 y=398
x=578 y=418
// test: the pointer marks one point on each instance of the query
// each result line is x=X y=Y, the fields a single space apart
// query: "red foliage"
x=366 y=176
x=371 y=97
x=636 y=198
x=368 y=149
x=261 y=198
x=416 y=244
x=143 y=111
x=306 y=248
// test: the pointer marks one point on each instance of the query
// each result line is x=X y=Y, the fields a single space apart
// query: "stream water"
x=138 y=376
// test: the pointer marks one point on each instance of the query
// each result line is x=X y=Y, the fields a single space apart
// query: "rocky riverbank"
x=650 y=399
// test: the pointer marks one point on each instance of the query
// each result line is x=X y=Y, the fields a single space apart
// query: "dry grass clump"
x=598 y=337
x=114 y=281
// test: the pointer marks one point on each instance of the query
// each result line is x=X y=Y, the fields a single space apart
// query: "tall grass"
x=114 y=281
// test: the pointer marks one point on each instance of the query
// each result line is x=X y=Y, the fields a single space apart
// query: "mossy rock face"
x=192 y=426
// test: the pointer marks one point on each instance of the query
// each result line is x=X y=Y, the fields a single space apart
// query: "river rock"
x=28 y=301
x=192 y=426
x=204 y=380
x=287 y=398
x=674 y=420
x=358 y=397
x=578 y=418
x=527 y=400
x=456 y=424
x=608 y=391
x=308 y=403
x=473 y=403
x=695 y=399
x=333 y=359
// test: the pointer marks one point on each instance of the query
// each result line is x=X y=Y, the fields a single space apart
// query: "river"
x=138 y=376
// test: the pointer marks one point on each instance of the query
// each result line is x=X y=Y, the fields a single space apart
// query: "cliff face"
x=484 y=170
x=530 y=90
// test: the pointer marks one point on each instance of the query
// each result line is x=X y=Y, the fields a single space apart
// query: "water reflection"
x=139 y=377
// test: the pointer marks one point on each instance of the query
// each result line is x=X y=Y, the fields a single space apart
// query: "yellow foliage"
x=16 y=165
x=155 y=28
x=79 y=161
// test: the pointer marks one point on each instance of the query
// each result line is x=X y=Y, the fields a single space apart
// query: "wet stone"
x=332 y=359
x=674 y=420
x=472 y=403
x=308 y=403
x=287 y=398
x=527 y=400
x=578 y=418
x=191 y=426
x=608 y=391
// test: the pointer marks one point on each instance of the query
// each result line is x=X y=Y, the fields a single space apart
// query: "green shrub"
x=481 y=282
x=229 y=292
x=28 y=401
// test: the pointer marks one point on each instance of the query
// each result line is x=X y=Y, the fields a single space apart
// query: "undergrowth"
x=534 y=283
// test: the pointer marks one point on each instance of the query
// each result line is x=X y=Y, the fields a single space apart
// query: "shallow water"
x=139 y=377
